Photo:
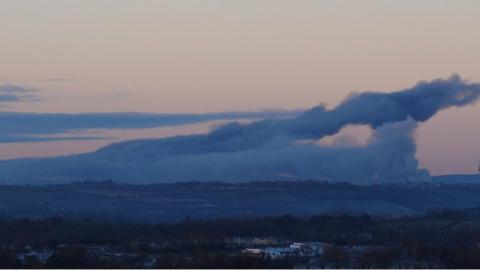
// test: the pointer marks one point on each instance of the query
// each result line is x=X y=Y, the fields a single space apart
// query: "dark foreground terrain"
x=261 y=225
x=438 y=239
x=173 y=202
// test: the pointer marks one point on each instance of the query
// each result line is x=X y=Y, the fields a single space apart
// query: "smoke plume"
x=279 y=149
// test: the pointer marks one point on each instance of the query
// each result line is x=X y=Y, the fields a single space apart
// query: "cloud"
x=22 y=125
x=22 y=138
x=49 y=123
x=268 y=149
x=14 y=93
x=19 y=127
x=58 y=79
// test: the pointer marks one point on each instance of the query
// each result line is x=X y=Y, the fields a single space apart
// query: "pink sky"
x=206 y=56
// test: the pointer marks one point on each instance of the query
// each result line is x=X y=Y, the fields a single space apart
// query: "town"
x=259 y=253
x=438 y=239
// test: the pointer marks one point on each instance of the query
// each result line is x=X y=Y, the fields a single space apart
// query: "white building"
x=276 y=253
x=310 y=248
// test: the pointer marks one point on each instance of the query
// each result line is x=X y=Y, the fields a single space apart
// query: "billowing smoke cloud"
x=279 y=149
x=371 y=108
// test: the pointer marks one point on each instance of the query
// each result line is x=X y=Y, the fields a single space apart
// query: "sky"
x=214 y=56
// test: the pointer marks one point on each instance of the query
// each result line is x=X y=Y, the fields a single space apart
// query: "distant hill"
x=457 y=178
x=209 y=200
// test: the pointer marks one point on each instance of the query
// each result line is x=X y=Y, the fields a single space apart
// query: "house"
x=149 y=262
x=310 y=249
x=41 y=256
x=252 y=242
x=253 y=252
x=276 y=253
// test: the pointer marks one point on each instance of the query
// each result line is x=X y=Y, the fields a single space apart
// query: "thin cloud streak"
x=14 y=93
x=18 y=127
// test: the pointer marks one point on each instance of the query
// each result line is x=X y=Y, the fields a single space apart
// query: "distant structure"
x=478 y=170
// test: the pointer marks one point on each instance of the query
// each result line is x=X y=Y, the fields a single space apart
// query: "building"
x=276 y=253
x=253 y=252
x=40 y=256
x=252 y=242
x=310 y=249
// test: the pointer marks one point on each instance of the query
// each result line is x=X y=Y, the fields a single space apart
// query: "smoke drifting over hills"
x=271 y=149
